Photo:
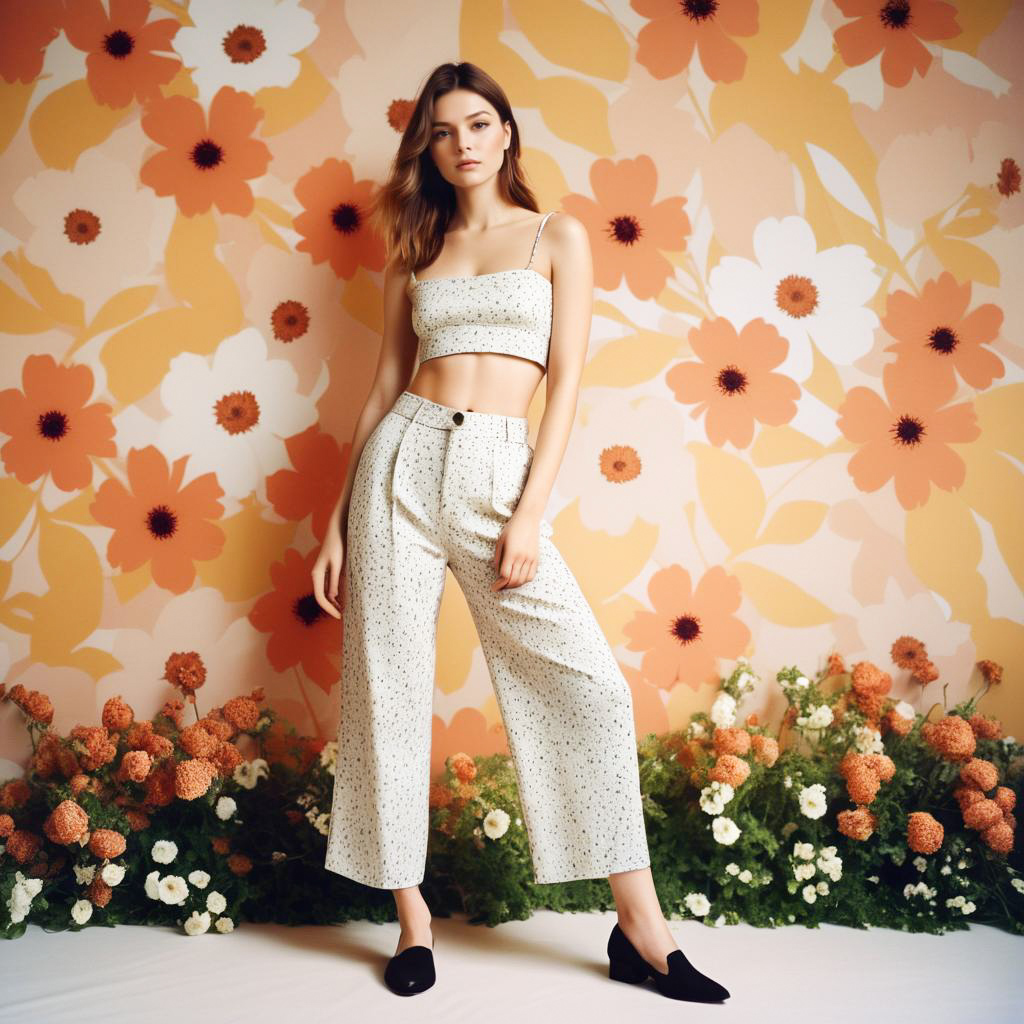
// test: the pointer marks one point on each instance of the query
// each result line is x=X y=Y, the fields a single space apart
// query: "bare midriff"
x=491 y=382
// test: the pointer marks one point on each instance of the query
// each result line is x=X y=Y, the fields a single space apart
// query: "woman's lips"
x=467 y=164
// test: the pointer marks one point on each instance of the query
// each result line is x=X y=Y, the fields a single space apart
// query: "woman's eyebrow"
x=468 y=116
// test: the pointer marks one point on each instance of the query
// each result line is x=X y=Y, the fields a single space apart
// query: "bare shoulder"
x=564 y=227
x=568 y=242
x=395 y=275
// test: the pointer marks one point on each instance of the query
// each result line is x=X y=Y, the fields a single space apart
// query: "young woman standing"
x=487 y=296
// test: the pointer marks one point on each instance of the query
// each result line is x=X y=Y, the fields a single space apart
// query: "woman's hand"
x=329 y=570
x=515 y=554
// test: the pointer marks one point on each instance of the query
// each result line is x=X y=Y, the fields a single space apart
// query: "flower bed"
x=856 y=810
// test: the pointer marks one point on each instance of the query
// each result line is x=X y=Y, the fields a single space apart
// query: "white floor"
x=525 y=972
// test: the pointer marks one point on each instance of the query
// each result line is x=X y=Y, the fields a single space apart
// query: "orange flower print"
x=906 y=437
x=938 y=333
x=732 y=379
x=156 y=520
x=628 y=230
x=123 y=61
x=665 y=44
x=52 y=429
x=301 y=632
x=334 y=224
x=315 y=483
x=205 y=162
x=26 y=30
x=896 y=28
x=688 y=630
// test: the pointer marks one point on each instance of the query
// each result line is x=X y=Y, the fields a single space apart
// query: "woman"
x=442 y=475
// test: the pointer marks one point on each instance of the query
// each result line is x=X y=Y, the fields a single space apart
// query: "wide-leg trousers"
x=433 y=489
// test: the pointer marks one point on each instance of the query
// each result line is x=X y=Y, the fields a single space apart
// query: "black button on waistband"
x=458 y=417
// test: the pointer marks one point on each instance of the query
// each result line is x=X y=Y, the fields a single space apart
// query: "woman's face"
x=466 y=127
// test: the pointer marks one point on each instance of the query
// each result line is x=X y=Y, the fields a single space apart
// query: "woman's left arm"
x=572 y=281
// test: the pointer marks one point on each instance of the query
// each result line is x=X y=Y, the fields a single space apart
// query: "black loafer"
x=683 y=980
x=410 y=971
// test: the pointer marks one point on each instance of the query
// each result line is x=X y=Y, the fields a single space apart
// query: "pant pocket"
x=510 y=470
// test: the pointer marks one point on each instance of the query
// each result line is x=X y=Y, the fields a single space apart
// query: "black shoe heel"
x=683 y=980
x=623 y=970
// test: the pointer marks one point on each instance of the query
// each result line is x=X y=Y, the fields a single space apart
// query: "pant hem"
x=372 y=881
x=592 y=874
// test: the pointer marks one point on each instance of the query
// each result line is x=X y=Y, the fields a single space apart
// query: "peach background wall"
x=799 y=428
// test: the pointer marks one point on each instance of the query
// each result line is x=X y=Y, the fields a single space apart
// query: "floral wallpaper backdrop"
x=800 y=423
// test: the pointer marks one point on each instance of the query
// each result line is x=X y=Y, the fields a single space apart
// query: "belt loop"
x=508 y=430
x=419 y=408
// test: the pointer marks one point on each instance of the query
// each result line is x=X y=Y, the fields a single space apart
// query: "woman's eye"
x=442 y=131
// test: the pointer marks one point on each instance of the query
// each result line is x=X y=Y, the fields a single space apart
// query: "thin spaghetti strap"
x=413 y=278
x=537 y=239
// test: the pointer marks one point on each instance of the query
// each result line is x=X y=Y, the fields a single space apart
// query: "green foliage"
x=768 y=850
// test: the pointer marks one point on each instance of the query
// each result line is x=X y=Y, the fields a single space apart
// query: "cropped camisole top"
x=508 y=311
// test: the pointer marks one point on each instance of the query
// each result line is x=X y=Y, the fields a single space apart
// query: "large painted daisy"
x=232 y=417
x=807 y=294
x=246 y=44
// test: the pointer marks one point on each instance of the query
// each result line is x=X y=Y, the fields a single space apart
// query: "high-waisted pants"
x=433 y=489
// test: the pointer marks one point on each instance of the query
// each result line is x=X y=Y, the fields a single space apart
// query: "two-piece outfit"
x=433 y=489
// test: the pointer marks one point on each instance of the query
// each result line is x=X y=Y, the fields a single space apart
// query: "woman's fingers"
x=332 y=587
x=319 y=574
x=515 y=573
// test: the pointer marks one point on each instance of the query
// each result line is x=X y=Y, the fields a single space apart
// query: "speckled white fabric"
x=508 y=311
x=433 y=489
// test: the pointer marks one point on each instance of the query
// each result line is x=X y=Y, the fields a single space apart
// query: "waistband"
x=444 y=417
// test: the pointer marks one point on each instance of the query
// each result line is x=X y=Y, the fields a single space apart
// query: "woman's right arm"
x=396 y=365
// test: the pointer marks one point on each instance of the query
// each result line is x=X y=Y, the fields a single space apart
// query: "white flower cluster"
x=746 y=680
x=966 y=906
x=868 y=740
x=697 y=903
x=113 y=874
x=225 y=807
x=320 y=820
x=812 y=800
x=828 y=862
x=905 y=710
x=173 y=890
x=20 y=901
x=329 y=756
x=723 y=710
x=84 y=873
x=746 y=875
x=1018 y=884
x=812 y=890
x=714 y=797
x=920 y=863
x=496 y=823
x=818 y=718
x=801 y=682
x=725 y=831
x=805 y=866
x=920 y=889
x=695 y=730
x=248 y=773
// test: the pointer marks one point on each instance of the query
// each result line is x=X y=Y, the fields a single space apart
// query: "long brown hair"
x=412 y=210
